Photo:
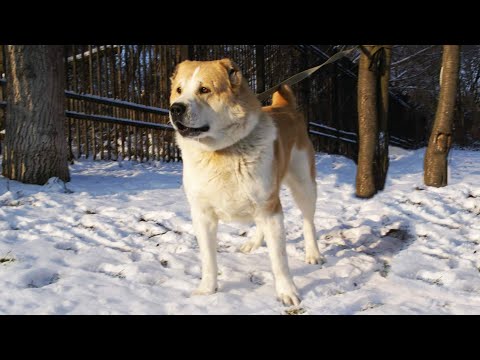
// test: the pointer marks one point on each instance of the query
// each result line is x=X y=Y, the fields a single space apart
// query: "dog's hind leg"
x=254 y=243
x=272 y=225
x=304 y=191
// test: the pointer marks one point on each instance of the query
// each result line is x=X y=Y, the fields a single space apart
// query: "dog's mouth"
x=189 y=131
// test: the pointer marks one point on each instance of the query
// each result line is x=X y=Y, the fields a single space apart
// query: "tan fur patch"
x=231 y=88
x=292 y=131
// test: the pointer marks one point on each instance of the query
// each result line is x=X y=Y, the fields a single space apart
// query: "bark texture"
x=35 y=146
x=435 y=162
x=367 y=127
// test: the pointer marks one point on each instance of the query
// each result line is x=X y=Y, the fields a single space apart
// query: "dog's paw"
x=314 y=257
x=290 y=299
x=204 y=290
x=288 y=294
x=250 y=245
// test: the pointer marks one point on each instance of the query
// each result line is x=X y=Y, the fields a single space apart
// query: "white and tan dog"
x=236 y=154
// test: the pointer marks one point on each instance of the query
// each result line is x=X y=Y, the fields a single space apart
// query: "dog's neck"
x=263 y=134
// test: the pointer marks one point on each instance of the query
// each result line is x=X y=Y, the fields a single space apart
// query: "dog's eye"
x=179 y=90
x=204 y=90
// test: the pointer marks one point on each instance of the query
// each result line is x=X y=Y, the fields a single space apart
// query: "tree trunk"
x=35 y=143
x=367 y=126
x=382 y=162
x=435 y=165
x=186 y=52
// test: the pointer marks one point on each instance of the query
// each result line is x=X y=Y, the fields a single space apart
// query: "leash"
x=304 y=74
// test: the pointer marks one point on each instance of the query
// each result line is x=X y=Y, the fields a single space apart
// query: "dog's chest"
x=233 y=186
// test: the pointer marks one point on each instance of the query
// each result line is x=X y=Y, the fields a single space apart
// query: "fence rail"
x=115 y=102
x=404 y=143
x=118 y=121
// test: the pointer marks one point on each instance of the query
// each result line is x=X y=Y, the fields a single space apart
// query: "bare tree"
x=35 y=143
x=373 y=76
x=436 y=167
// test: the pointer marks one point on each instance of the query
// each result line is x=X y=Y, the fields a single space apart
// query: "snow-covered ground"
x=120 y=241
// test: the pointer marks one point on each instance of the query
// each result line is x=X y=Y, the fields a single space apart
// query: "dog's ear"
x=233 y=72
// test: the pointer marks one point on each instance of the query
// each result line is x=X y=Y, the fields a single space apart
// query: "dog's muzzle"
x=177 y=112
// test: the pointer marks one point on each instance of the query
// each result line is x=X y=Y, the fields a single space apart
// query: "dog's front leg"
x=205 y=224
x=274 y=232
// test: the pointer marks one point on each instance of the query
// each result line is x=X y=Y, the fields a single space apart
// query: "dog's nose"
x=177 y=109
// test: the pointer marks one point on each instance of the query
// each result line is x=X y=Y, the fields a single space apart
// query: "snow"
x=118 y=240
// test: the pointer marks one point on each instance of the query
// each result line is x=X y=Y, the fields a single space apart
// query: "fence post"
x=260 y=68
x=186 y=52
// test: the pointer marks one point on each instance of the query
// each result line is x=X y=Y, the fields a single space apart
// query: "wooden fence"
x=108 y=85
x=127 y=82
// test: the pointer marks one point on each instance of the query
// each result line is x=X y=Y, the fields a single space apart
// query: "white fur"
x=233 y=190
x=229 y=175
x=304 y=191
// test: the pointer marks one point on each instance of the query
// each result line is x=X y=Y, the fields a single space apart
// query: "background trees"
x=415 y=75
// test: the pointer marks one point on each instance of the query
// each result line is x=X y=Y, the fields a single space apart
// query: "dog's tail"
x=284 y=97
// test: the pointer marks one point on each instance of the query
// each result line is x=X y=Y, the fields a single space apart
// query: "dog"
x=236 y=154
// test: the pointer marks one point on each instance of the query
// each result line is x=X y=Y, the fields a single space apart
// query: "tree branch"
x=412 y=56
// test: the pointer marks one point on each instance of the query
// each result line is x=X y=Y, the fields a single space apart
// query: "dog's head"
x=211 y=103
